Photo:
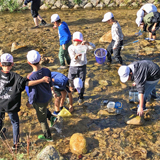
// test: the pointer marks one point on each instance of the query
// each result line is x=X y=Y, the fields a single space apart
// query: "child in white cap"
x=117 y=38
x=78 y=54
x=64 y=39
x=11 y=87
x=146 y=76
x=40 y=95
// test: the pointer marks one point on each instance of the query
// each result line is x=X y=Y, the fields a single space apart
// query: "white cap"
x=123 y=72
x=107 y=16
x=33 y=56
x=54 y=18
x=77 y=36
x=138 y=21
x=149 y=7
x=78 y=84
x=140 y=13
x=6 y=57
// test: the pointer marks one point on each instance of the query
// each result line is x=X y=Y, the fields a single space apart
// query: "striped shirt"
x=117 y=34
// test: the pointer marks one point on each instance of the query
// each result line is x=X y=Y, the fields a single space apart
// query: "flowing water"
x=108 y=134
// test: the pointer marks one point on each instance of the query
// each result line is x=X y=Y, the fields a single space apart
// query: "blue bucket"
x=100 y=55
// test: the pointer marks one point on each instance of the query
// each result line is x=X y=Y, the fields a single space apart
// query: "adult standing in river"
x=34 y=11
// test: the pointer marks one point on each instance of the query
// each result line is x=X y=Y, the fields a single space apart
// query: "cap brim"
x=103 y=20
x=124 y=79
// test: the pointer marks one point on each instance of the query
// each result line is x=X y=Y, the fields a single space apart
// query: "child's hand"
x=84 y=43
x=63 y=46
x=77 y=55
x=24 y=5
x=134 y=84
x=153 y=28
x=46 y=79
x=71 y=89
x=28 y=105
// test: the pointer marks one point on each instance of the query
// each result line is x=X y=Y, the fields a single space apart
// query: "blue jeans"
x=149 y=90
x=15 y=124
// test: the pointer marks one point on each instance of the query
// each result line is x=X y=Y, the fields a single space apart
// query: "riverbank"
x=16 y=5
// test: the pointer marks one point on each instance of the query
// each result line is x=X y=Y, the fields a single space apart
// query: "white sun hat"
x=139 y=21
x=78 y=84
x=123 y=72
x=107 y=16
x=6 y=57
x=140 y=13
x=33 y=56
x=54 y=18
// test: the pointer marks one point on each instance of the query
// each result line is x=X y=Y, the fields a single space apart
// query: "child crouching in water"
x=77 y=52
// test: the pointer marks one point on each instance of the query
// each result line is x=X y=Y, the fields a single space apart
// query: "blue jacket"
x=64 y=33
x=40 y=93
x=60 y=80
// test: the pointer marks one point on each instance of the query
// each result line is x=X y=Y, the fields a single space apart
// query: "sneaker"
x=35 y=27
x=53 y=121
x=43 y=23
x=62 y=67
x=80 y=100
x=55 y=113
x=48 y=139
x=155 y=98
x=16 y=146
x=149 y=39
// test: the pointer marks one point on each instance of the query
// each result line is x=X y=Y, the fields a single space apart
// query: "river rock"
x=106 y=1
x=1 y=52
x=64 y=7
x=16 y=46
x=122 y=5
x=107 y=37
x=48 y=153
x=97 y=89
x=134 y=120
x=88 y=6
x=104 y=82
x=88 y=83
x=58 y=4
x=103 y=113
x=50 y=2
x=100 y=5
x=112 y=5
x=53 y=7
x=78 y=144
x=94 y=2
x=44 y=7
x=77 y=6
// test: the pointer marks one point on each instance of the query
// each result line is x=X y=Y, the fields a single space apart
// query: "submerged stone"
x=78 y=144
x=134 y=120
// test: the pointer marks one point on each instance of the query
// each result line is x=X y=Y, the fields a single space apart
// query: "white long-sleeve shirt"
x=81 y=60
x=117 y=34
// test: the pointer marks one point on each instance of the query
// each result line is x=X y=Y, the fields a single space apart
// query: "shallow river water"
x=107 y=135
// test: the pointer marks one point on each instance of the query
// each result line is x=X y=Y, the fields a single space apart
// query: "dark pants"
x=80 y=72
x=116 y=52
x=15 y=124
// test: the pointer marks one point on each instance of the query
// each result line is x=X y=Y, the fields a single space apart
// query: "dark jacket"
x=11 y=86
x=35 y=4
x=144 y=71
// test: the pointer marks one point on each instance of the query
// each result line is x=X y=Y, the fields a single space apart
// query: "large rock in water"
x=16 y=46
x=48 y=153
x=134 y=120
x=107 y=37
x=78 y=144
